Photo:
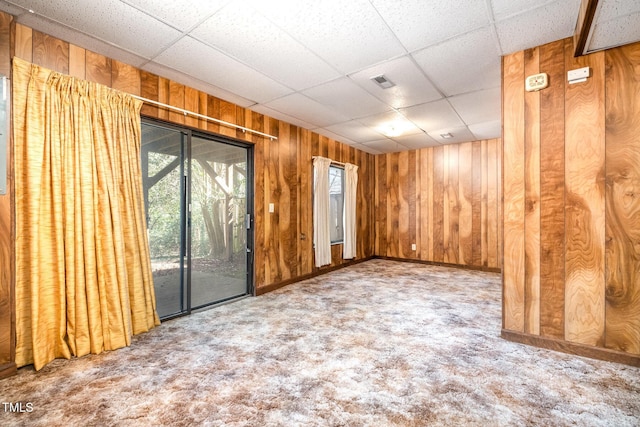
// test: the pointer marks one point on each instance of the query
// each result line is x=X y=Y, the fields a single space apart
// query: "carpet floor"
x=381 y=343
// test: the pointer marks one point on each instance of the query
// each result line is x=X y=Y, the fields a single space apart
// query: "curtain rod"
x=332 y=161
x=202 y=116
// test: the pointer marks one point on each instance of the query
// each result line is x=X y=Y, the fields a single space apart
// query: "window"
x=336 y=203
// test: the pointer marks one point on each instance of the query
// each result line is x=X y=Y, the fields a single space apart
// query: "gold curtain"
x=83 y=270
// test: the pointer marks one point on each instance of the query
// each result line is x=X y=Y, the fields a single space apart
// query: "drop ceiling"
x=310 y=63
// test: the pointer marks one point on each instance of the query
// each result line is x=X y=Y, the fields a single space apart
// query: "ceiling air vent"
x=383 y=82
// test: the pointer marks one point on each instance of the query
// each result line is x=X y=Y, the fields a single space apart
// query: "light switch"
x=272 y=208
x=413 y=246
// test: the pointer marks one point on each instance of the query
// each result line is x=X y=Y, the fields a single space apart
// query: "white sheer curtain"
x=321 y=233
x=350 y=187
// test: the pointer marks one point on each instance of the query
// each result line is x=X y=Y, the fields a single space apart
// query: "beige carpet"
x=378 y=344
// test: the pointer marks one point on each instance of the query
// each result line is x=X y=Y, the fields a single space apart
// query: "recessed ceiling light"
x=446 y=135
x=382 y=81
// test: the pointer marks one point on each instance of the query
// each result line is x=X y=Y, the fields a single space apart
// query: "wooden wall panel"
x=532 y=199
x=622 y=286
x=50 y=52
x=552 y=227
x=7 y=233
x=584 y=202
x=582 y=153
x=98 y=68
x=77 y=62
x=513 y=169
x=444 y=199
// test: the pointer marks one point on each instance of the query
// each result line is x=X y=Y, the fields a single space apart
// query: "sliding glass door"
x=197 y=189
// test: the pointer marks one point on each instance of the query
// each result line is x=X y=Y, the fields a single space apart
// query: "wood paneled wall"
x=445 y=200
x=572 y=198
x=283 y=167
x=7 y=330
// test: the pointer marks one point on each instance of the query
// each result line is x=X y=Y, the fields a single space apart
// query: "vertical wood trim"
x=513 y=155
x=393 y=208
x=259 y=200
x=532 y=198
x=438 y=204
x=454 y=205
x=484 y=204
x=585 y=211
x=403 y=202
x=413 y=204
x=430 y=205
x=552 y=159
x=465 y=193
x=493 y=217
x=476 y=225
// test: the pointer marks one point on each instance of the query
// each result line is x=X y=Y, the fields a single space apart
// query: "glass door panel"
x=163 y=184
x=218 y=210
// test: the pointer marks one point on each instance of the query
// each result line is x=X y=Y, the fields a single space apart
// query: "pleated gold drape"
x=83 y=271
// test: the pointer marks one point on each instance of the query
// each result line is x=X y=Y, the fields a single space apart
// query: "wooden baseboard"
x=322 y=270
x=7 y=370
x=443 y=264
x=572 y=348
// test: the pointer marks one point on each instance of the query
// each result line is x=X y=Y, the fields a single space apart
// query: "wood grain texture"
x=532 y=199
x=50 y=52
x=393 y=206
x=513 y=169
x=23 y=46
x=465 y=197
x=77 y=62
x=552 y=227
x=584 y=201
x=98 y=68
x=622 y=285
x=404 y=202
x=7 y=234
x=453 y=207
x=493 y=200
x=126 y=78
x=438 y=204
x=484 y=203
x=476 y=208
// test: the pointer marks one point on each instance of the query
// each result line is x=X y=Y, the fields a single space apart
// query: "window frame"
x=339 y=219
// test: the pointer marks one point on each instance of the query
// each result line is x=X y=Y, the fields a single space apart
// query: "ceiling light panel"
x=460 y=134
x=418 y=25
x=248 y=36
x=411 y=85
x=355 y=131
x=548 y=23
x=214 y=67
x=463 y=64
x=347 y=98
x=329 y=29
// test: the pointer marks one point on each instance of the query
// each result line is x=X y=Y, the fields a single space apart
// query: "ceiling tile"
x=477 y=107
x=262 y=109
x=367 y=149
x=182 y=15
x=390 y=123
x=115 y=22
x=303 y=108
x=329 y=29
x=220 y=70
x=418 y=25
x=617 y=32
x=246 y=35
x=326 y=132
x=347 y=98
x=195 y=83
x=432 y=116
x=355 y=131
x=420 y=140
x=487 y=130
x=80 y=39
x=545 y=24
x=464 y=64
x=385 y=146
x=611 y=9
x=411 y=85
x=506 y=8
x=460 y=134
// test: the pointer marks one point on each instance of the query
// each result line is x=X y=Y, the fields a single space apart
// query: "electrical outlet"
x=272 y=208
x=413 y=246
